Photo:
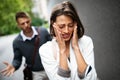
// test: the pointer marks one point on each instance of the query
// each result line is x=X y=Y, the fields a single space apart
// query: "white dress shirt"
x=49 y=53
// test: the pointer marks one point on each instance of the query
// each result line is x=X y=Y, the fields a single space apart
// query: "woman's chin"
x=66 y=39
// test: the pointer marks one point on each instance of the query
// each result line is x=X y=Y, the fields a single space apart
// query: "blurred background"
x=101 y=19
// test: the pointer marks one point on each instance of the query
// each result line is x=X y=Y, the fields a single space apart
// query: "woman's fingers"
x=75 y=31
x=59 y=38
x=54 y=27
x=57 y=31
x=75 y=38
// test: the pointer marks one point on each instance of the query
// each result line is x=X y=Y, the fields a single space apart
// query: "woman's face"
x=66 y=26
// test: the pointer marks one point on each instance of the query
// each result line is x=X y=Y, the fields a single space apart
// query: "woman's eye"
x=71 y=25
x=61 y=26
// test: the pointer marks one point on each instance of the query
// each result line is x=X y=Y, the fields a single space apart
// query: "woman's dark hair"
x=66 y=8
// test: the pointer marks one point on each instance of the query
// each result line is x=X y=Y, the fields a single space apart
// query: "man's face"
x=24 y=24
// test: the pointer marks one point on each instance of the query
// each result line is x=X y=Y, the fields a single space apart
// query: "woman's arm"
x=49 y=62
x=84 y=64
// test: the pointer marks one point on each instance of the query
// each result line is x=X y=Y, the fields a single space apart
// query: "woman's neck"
x=67 y=43
x=67 y=48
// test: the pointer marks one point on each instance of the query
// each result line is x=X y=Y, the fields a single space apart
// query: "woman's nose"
x=66 y=30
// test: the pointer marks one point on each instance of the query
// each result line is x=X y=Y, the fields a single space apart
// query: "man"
x=23 y=46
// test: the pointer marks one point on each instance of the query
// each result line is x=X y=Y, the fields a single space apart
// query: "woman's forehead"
x=63 y=18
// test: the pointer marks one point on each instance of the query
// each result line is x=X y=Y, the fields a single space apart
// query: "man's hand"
x=9 y=70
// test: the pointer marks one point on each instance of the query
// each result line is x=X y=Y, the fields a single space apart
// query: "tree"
x=8 y=8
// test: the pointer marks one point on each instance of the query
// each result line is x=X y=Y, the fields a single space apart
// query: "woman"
x=70 y=55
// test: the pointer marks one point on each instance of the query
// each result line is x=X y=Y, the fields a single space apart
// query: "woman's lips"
x=66 y=36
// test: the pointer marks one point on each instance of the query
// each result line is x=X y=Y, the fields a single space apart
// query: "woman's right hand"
x=59 y=39
x=9 y=70
x=62 y=48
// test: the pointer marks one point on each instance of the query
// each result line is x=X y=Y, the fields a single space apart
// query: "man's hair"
x=21 y=15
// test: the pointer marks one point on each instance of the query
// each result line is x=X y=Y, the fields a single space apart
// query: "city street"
x=6 y=54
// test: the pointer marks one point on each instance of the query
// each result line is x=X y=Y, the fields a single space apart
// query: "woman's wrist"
x=63 y=61
x=75 y=45
x=76 y=48
x=63 y=73
x=62 y=51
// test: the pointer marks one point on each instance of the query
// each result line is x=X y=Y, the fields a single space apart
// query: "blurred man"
x=23 y=46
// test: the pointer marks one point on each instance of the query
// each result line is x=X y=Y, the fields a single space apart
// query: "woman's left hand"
x=75 y=38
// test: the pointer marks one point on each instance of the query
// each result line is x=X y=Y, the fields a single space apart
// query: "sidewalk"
x=6 y=54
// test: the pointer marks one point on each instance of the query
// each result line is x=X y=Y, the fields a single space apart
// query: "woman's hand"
x=75 y=38
x=59 y=39
x=62 y=48
x=9 y=70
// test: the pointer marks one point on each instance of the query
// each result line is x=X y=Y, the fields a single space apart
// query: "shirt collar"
x=29 y=38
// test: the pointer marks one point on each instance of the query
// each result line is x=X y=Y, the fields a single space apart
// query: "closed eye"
x=70 y=25
x=61 y=26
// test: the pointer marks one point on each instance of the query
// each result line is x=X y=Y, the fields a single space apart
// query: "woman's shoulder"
x=46 y=49
x=46 y=45
x=85 y=40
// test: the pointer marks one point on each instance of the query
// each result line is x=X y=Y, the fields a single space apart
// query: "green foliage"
x=36 y=21
x=46 y=24
x=8 y=8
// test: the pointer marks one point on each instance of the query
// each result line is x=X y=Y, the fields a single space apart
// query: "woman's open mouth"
x=65 y=36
